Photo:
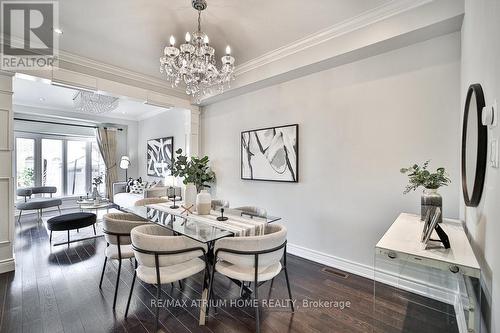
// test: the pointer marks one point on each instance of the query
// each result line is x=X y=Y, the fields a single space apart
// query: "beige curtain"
x=106 y=139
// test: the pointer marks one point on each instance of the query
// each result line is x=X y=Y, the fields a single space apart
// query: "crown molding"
x=117 y=71
x=362 y=20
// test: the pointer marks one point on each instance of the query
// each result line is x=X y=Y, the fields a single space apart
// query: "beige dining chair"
x=162 y=258
x=220 y=204
x=252 y=210
x=254 y=259
x=116 y=229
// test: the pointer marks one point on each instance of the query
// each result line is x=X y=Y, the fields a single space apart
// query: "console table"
x=450 y=277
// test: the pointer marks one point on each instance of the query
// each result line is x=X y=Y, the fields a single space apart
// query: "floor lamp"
x=124 y=164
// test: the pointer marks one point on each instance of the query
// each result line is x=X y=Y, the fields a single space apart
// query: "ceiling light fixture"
x=58 y=31
x=194 y=62
x=93 y=102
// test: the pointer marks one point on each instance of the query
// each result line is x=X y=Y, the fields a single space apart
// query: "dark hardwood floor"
x=55 y=289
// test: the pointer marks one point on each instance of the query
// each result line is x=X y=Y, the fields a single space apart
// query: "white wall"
x=359 y=124
x=481 y=64
x=168 y=123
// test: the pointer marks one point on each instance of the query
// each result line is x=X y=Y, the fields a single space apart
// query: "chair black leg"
x=157 y=314
x=289 y=291
x=211 y=287
x=256 y=295
x=50 y=237
x=68 y=237
x=131 y=290
x=93 y=225
x=59 y=209
x=117 y=282
x=180 y=284
x=257 y=312
x=19 y=218
x=102 y=274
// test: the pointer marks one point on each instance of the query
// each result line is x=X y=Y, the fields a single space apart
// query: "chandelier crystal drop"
x=194 y=63
x=92 y=102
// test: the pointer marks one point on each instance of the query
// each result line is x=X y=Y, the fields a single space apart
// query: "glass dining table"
x=201 y=228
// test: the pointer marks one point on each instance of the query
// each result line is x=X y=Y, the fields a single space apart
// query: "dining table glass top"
x=202 y=228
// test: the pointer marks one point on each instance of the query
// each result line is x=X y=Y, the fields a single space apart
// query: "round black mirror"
x=474 y=147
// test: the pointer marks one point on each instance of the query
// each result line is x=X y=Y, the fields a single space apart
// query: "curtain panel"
x=106 y=139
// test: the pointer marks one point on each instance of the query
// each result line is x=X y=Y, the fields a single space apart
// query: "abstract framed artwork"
x=160 y=152
x=271 y=154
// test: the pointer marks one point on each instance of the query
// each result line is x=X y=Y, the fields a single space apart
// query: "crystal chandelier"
x=92 y=102
x=194 y=63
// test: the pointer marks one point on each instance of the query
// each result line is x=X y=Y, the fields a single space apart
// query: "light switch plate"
x=494 y=153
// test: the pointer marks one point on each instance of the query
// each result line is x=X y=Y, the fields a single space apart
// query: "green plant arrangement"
x=420 y=176
x=194 y=170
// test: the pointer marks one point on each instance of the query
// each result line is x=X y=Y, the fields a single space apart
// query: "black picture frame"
x=482 y=147
x=149 y=153
x=295 y=168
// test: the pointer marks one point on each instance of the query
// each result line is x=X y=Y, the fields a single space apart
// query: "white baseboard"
x=7 y=265
x=330 y=260
x=387 y=277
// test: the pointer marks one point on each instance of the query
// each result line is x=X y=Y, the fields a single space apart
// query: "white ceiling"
x=131 y=34
x=39 y=94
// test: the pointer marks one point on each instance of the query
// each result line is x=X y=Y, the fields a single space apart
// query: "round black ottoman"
x=70 y=222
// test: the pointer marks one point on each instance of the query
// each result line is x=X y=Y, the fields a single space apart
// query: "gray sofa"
x=123 y=198
x=38 y=203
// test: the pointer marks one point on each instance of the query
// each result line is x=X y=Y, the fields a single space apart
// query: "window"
x=52 y=164
x=25 y=166
x=76 y=168
x=66 y=162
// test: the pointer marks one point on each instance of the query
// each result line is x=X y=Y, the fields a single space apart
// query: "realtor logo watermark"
x=27 y=32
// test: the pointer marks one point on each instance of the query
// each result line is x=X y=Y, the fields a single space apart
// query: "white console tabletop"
x=403 y=240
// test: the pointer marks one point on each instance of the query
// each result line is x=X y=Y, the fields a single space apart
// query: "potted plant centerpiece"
x=419 y=176
x=197 y=177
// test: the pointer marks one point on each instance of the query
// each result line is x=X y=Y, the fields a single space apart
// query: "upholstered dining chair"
x=254 y=259
x=150 y=201
x=162 y=258
x=252 y=210
x=220 y=203
x=116 y=229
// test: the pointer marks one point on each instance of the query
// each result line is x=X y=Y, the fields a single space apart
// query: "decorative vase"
x=95 y=193
x=430 y=200
x=203 y=202
x=190 y=195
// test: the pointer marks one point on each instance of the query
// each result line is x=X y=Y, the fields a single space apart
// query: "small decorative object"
x=431 y=224
x=96 y=182
x=420 y=176
x=222 y=217
x=194 y=170
x=271 y=154
x=170 y=182
x=160 y=156
x=203 y=203
x=187 y=209
x=190 y=195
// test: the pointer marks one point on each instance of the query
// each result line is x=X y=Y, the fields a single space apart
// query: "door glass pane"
x=98 y=167
x=52 y=164
x=76 y=168
x=25 y=162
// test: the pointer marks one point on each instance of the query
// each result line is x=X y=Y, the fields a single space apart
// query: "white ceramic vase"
x=203 y=202
x=190 y=195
